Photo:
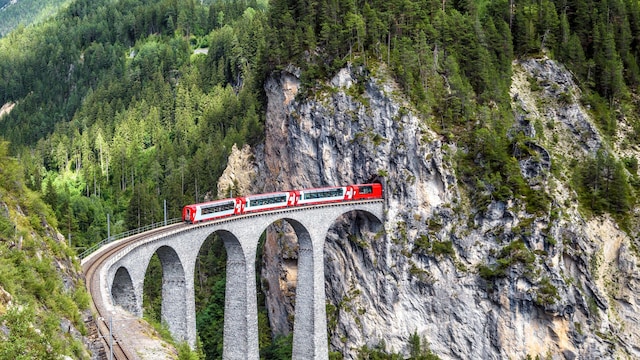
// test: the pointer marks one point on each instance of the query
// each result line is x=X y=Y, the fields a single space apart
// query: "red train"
x=264 y=202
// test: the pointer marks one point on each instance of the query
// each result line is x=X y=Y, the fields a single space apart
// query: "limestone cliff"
x=573 y=292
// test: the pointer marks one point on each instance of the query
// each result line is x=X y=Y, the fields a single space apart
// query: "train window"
x=323 y=194
x=217 y=208
x=366 y=189
x=267 y=201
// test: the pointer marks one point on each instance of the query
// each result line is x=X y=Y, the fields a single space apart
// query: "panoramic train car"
x=340 y=193
x=266 y=202
x=325 y=195
x=212 y=210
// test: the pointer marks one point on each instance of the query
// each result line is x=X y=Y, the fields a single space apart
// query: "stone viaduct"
x=122 y=276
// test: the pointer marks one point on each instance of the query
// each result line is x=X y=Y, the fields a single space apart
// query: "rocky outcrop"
x=567 y=289
x=237 y=177
x=6 y=108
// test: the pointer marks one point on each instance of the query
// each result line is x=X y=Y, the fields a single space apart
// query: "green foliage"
x=602 y=185
x=419 y=350
x=185 y=352
x=475 y=43
x=443 y=248
x=210 y=322
x=547 y=293
x=490 y=166
x=210 y=293
x=631 y=164
x=26 y=12
x=515 y=252
x=29 y=272
x=24 y=341
x=152 y=291
x=119 y=117
x=602 y=113
x=436 y=248
x=280 y=349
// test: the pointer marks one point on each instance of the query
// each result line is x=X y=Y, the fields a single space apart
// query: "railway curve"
x=112 y=251
x=91 y=266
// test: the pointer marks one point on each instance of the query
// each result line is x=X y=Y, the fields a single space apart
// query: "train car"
x=212 y=210
x=265 y=202
x=339 y=193
x=367 y=191
x=325 y=195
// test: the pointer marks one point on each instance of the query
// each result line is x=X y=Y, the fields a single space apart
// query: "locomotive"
x=218 y=209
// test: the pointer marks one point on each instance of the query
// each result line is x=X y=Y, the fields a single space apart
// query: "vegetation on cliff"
x=41 y=291
x=454 y=60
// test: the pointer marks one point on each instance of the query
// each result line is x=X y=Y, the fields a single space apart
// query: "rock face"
x=570 y=291
x=240 y=172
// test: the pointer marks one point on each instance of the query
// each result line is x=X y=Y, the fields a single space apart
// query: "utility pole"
x=108 y=228
x=165 y=212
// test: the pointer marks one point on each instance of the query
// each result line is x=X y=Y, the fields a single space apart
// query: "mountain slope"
x=42 y=292
x=26 y=12
x=474 y=280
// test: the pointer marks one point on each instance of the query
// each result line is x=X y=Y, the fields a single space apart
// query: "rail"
x=125 y=234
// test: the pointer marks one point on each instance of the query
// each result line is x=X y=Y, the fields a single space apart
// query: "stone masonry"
x=122 y=277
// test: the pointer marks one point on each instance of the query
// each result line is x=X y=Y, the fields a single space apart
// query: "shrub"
x=547 y=293
x=515 y=252
x=443 y=248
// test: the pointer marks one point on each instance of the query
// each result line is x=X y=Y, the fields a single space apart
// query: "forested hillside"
x=128 y=115
x=112 y=103
x=116 y=112
x=26 y=12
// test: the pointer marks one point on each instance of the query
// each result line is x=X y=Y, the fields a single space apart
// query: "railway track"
x=91 y=267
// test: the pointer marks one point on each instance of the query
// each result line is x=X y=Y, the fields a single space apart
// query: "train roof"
x=214 y=202
x=268 y=195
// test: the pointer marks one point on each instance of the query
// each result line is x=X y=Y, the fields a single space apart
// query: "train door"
x=292 y=198
x=350 y=193
x=239 y=207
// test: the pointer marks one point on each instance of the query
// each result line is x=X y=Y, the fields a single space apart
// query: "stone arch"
x=349 y=261
x=239 y=301
x=311 y=229
x=123 y=293
x=357 y=217
x=287 y=247
x=174 y=291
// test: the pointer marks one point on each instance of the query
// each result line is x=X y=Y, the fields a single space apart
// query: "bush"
x=443 y=248
x=547 y=293
x=515 y=252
